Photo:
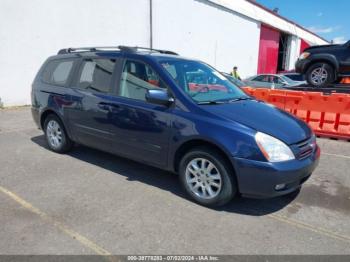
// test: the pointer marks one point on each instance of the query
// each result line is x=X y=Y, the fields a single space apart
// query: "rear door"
x=89 y=115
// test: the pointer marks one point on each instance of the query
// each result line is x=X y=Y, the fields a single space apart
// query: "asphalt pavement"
x=90 y=202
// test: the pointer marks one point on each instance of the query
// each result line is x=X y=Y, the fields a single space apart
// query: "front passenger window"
x=277 y=80
x=136 y=79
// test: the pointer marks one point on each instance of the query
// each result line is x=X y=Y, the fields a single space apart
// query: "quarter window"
x=136 y=79
x=96 y=75
x=57 y=72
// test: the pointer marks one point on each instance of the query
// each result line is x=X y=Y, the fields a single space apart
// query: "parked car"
x=138 y=103
x=271 y=81
x=323 y=65
x=234 y=80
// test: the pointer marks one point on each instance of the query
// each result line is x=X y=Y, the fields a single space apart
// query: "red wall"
x=268 y=50
x=303 y=45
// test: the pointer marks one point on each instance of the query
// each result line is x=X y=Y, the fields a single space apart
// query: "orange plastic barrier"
x=345 y=80
x=328 y=115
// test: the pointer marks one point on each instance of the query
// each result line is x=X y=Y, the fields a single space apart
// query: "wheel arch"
x=45 y=114
x=48 y=112
x=324 y=58
x=200 y=142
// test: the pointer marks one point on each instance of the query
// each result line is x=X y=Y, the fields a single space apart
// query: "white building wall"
x=199 y=29
x=31 y=31
x=223 y=33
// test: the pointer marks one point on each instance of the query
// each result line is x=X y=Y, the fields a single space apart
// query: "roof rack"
x=86 y=49
x=137 y=48
x=129 y=49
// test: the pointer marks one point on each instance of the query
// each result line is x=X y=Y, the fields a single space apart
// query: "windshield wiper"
x=199 y=93
x=217 y=102
x=93 y=88
x=211 y=102
x=240 y=99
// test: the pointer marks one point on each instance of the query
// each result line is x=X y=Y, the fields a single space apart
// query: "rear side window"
x=57 y=72
x=96 y=74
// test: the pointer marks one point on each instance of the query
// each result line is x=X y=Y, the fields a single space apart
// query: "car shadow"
x=134 y=171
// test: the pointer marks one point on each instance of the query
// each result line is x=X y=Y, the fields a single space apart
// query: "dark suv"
x=325 y=64
x=174 y=113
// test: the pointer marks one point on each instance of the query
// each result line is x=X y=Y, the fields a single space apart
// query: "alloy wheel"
x=319 y=75
x=54 y=134
x=203 y=178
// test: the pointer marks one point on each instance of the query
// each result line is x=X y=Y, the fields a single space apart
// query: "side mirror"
x=159 y=97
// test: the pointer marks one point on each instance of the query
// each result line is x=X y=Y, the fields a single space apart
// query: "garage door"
x=303 y=45
x=268 y=50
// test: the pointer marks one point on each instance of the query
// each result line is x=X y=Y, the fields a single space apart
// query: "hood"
x=296 y=83
x=264 y=118
x=320 y=47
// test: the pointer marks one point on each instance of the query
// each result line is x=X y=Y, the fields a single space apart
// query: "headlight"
x=273 y=149
x=304 y=55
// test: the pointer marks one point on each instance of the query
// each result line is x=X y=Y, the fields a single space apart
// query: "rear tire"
x=56 y=135
x=207 y=177
x=320 y=75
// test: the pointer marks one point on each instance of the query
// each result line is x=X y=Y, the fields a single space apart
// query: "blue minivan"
x=174 y=113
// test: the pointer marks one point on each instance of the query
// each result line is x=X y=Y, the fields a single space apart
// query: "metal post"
x=151 y=22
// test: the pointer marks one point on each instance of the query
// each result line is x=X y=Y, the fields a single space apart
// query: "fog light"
x=280 y=186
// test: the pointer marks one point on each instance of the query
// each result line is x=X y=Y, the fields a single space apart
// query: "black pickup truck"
x=323 y=65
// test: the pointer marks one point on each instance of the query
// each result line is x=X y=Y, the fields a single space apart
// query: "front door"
x=141 y=130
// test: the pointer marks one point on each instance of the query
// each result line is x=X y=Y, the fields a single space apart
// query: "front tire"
x=207 y=177
x=320 y=75
x=56 y=135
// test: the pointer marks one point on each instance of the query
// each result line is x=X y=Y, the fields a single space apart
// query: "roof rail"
x=129 y=49
x=86 y=49
x=137 y=48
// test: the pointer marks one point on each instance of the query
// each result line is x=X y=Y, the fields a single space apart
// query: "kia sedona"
x=174 y=113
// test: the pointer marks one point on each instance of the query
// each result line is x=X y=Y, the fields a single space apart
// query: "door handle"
x=103 y=106
x=107 y=106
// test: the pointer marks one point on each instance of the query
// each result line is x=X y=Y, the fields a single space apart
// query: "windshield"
x=295 y=77
x=287 y=79
x=201 y=82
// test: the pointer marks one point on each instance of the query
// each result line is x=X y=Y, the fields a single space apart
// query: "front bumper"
x=258 y=179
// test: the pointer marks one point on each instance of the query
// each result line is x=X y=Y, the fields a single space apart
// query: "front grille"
x=305 y=148
x=305 y=154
